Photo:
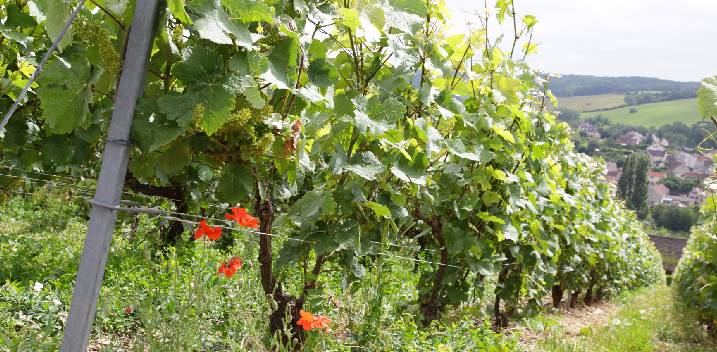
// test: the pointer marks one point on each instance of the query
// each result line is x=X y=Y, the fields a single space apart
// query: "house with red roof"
x=655 y=177
x=656 y=193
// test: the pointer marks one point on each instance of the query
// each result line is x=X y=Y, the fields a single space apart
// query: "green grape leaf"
x=199 y=65
x=504 y=133
x=117 y=7
x=405 y=22
x=368 y=166
x=282 y=63
x=151 y=136
x=289 y=253
x=17 y=18
x=201 y=70
x=250 y=10
x=18 y=37
x=457 y=148
x=236 y=183
x=379 y=209
x=151 y=131
x=509 y=232
x=178 y=107
x=218 y=102
x=258 y=63
x=65 y=94
x=58 y=149
x=178 y=11
x=310 y=94
x=490 y=198
x=58 y=12
x=416 y=7
x=490 y=218
x=530 y=21
x=175 y=158
x=407 y=173
x=707 y=97
x=349 y=18
x=322 y=73
x=308 y=210
x=318 y=49
x=215 y=25
x=390 y=110
x=254 y=97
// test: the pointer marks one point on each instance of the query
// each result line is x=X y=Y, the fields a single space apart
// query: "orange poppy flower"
x=212 y=233
x=309 y=321
x=230 y=268
x=243 y=218
x=322 y=322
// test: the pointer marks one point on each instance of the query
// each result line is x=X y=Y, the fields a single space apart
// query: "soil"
x=571 y=321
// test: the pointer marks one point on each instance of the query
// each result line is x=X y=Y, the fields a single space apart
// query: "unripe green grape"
x=198 y=116
x=265 y=142
x=245 y=130
x=93 y=33
x=177 y=35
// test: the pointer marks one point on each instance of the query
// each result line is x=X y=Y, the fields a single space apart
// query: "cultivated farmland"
x=592 y=102
x=654 y=114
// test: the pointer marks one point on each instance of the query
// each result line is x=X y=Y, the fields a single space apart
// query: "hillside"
x=653 y=114
x=582 y=85
x=592 y=102
x=260 y=189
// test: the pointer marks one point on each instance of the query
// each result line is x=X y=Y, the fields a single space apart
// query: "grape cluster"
x=198 y=117
x=245 y=130
x=92 y=33
x=177 y=35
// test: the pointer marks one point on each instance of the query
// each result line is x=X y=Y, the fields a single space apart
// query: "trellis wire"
x=39 y=68
x=173 y=216
x=85 y=193
x=161 y=213
x=129 y=193
x=153 y=210
x=79 y=179
x=38 y=180
x=70 y=178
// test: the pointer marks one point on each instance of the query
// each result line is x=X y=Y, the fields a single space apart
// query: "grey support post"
x=111 y=181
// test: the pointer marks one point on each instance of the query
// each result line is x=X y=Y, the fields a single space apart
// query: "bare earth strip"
x=646 y=320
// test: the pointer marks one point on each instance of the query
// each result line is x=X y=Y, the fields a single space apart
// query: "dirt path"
x=570 y=322
x=642 y=321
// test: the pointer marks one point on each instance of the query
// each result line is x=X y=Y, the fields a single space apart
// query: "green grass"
x=592 y=102
x=647 y=321
x=179 y=302
x=654 y=114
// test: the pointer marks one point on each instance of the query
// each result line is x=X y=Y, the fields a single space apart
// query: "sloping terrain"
x=653 y=114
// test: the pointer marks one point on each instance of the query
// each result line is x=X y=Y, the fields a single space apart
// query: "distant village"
x=685 y=164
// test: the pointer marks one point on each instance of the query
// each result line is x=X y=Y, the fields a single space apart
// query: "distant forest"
x=578 y=85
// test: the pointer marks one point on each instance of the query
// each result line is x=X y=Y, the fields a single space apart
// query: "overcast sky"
x=672 y=39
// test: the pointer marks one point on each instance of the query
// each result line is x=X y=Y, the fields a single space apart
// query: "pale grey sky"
x=672 y=39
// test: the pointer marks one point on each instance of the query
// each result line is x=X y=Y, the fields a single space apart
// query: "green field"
x=654 y=114
x=592 y=102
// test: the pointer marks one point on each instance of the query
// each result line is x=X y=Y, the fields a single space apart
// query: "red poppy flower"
x=230 y=268
x=322 y=322
x=243 y=218
x=309 y=321
x=212 y=233
x=128 y=310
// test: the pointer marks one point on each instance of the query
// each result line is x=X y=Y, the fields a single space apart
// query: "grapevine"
x=344 y=133
x=695 y=283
